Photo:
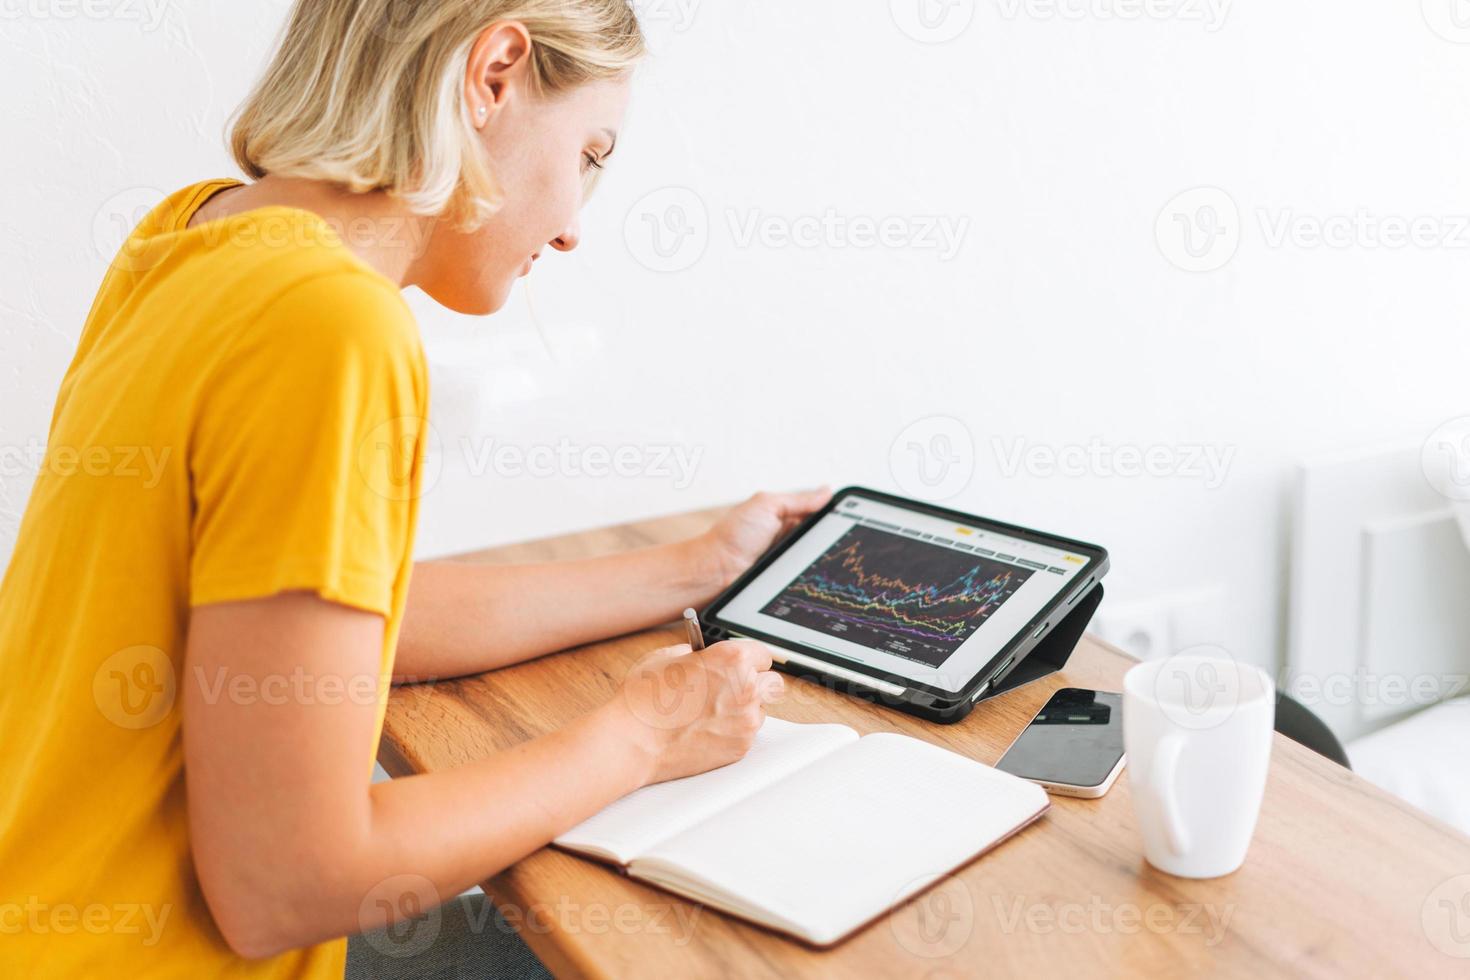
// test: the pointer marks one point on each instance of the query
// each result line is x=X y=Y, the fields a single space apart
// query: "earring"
x=480 y=112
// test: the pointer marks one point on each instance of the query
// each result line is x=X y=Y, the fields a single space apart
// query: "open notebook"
x=816 y=831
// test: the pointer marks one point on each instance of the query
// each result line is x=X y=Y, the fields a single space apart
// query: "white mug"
x=1197 y=733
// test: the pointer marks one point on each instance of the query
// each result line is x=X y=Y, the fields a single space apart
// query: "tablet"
x=927 y=606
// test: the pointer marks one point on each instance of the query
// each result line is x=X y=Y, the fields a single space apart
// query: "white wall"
x=1064 y=319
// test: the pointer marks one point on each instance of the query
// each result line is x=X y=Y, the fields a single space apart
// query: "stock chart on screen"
x=898 y=594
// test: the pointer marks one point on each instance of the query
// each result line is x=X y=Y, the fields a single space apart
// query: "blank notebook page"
x=830 y=847
x=628 y=827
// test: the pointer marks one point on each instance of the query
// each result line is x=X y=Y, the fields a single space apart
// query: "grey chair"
x=1297 y=722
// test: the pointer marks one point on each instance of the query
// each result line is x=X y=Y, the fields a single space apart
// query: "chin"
x=477 y=300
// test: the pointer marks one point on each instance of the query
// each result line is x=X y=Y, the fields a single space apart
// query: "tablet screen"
x=913 y=594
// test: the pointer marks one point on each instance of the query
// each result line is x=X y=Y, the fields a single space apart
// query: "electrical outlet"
x=1140 y=628
x=1163 y=625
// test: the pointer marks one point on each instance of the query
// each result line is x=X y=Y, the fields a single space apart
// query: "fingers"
x=668 y=653
x=770 y=687
x=796 y=506
x=750 y=655
x=743 y=663
x=754 y=654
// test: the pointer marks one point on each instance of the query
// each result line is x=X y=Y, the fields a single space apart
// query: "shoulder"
x=333 y=311
x=324 y=341
x=279 y=298
x=288 y=274
x=339 y=303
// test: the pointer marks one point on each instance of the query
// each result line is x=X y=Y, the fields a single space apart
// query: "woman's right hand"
x=697 y=711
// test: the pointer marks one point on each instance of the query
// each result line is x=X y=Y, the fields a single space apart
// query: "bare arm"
x=292 y=842
x=465 y=619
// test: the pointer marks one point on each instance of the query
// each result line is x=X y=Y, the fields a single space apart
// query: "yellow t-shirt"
x=244 y=415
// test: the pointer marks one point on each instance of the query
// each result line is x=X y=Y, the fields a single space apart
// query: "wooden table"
x=1342 y=879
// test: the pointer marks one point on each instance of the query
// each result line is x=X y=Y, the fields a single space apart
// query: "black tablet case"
x=1050 y=655
x=1055 y=649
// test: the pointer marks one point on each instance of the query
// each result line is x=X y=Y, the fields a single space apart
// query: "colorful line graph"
x=897 y=594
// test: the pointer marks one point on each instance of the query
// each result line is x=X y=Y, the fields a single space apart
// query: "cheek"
x=496 y=249
x=477 y=264
x=557 y=199
x=525 y=223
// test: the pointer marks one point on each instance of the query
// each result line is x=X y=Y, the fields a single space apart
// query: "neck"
x=377 y=227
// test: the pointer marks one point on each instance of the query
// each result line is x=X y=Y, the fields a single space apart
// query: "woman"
x=196 y=653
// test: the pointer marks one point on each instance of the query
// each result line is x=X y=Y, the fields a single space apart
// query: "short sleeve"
x=307 y=453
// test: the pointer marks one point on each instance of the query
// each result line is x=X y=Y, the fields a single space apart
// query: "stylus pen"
x=693 y=629
x=696 y=636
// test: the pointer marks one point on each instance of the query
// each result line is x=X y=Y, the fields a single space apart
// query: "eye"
x=590 y=162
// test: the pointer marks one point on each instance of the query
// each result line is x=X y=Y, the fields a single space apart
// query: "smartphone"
x=1074 y=745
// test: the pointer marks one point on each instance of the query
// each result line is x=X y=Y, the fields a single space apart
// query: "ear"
x=500 y=62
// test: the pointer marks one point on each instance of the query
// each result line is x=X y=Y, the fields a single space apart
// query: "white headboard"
x=1380 y=591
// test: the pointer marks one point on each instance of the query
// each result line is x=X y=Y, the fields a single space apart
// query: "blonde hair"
x=369 y=94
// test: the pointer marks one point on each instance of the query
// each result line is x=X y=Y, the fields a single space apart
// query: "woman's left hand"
x=744 y=534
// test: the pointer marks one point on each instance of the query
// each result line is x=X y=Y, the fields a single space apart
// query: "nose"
x=568 y=239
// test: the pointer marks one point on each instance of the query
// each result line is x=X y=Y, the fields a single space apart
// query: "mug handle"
x=1162 y=782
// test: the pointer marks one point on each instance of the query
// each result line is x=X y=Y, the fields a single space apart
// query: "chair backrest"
x=1297 y=722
